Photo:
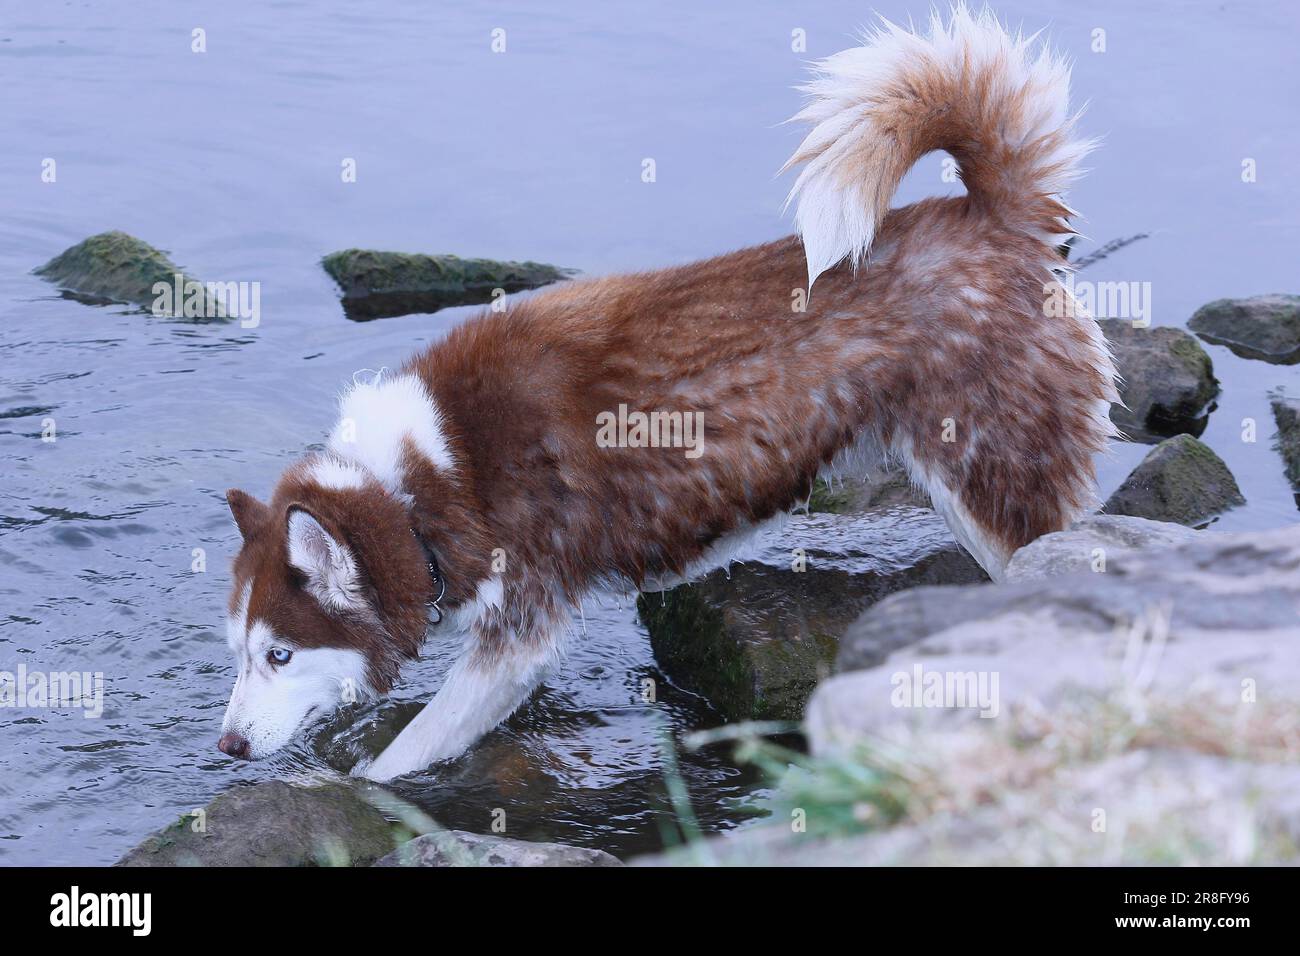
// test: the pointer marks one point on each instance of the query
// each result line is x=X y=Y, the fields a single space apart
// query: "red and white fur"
x=924 y=338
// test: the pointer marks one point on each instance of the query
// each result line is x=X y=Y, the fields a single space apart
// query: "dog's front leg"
x=485 y=686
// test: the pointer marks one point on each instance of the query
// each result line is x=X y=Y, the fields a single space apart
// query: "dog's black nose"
x=234 y=745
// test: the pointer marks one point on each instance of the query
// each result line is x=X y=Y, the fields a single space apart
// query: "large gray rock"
x=274 y=824
x=1265 y=327
x=1140 y=715
x=1228 y=604
x=1167 y=381
x=1090 y=542
x=460 y=848
x=1286 y=412
x=1162 y=807
x=1179 y=480
x=755 y=639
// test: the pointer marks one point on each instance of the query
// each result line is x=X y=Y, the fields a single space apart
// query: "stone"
x=1144 y=715
x=1228 y=604
x=890 y=487
x=755 y=639
x=117 y=267
x=1167 y=381
x=274 y=824
x=461 y=848
x=1179 y=480
x=1164 y=808
x=1090 y=539
x=1263 y=327
x=1286 y=413
x=381 y=284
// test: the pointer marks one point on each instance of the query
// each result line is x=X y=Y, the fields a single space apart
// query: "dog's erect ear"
x=248 y=511
x=332 y=574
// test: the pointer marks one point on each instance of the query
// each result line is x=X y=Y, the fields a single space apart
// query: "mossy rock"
x=275 y=824
x=380 y=284
x=748 y=665
x=114 y=267
x=1167 y=381
x=1263 y=327
x=755 y=640
x=890 y=487
x=1179 y=480
x=1286 y=413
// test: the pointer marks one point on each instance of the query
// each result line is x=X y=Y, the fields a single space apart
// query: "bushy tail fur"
x=1027 y=401
x=997 y=102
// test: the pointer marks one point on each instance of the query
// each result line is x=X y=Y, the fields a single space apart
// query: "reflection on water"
x=115 y=538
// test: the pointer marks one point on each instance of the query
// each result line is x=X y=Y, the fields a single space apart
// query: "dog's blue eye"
x=279 y=655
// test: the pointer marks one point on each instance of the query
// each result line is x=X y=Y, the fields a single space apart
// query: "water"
x=231 y=159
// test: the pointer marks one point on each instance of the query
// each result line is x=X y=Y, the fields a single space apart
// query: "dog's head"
x=328 y=601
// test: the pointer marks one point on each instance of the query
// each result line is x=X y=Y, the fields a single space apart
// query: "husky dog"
x=481 y=481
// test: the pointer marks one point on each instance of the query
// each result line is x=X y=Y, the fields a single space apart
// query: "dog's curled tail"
x=996 y=102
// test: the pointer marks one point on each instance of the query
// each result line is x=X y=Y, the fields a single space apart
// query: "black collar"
x=435 y=576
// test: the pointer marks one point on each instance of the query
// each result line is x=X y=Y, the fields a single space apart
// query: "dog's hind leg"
x=1006 y=450
x=494 y=675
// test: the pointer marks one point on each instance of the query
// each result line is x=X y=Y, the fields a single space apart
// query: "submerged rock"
x=1090 y=543
x=117 y=267
x=461 y=848
x=1286 y=412
x=890 y=487
x=755 y=640
x=381 y=284
x=1265 y=327
x=1158 y=698
x=1179 y=480
x=1167 y=382
x=274 y=824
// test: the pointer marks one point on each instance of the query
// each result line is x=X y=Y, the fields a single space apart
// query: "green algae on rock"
x=1167 y=381
x=275 y=824
x=381 y=284
x=1180 y=480
x=117 y=267
x=1286 y=413
x=755 y=639
x=889 y=487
